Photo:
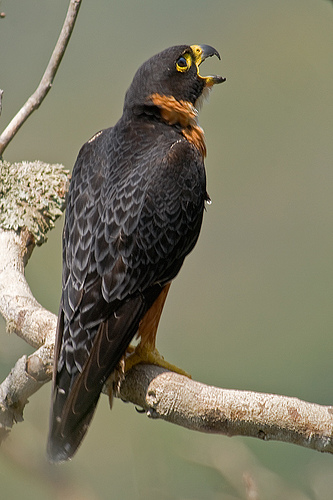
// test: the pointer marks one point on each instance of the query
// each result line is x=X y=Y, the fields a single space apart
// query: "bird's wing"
x=128 y=229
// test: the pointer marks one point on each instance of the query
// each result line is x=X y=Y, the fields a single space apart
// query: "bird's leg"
x=146 y=353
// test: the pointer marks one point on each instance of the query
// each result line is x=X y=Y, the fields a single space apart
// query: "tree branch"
x=1 y=94
x=162 y=394
x=32 y=197
x=29 y=205
x=182 y=401
x=40 y=93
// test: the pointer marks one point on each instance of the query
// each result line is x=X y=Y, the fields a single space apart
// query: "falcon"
x=134 y=211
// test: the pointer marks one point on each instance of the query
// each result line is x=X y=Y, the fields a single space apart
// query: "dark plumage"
x=134 y=212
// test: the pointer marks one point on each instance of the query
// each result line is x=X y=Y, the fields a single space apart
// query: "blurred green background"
x=252 y=307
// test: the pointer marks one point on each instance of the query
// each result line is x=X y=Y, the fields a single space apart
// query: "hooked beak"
x=201 y=52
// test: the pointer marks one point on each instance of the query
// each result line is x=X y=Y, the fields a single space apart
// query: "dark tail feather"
x=72 y=409
x=63 y=443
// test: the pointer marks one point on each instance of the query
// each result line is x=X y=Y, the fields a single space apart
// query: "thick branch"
x=27 y=376
x=28 y=319
x=199 y=407
x=161 y=394
x=32 y=197
x=23 y=314
x=38 y=96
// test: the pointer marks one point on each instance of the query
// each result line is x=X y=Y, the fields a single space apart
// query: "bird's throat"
x=182 y=113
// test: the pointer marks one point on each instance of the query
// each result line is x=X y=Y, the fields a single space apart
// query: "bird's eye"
x=184 y=63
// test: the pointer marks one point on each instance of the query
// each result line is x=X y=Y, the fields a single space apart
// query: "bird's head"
x=173 y=73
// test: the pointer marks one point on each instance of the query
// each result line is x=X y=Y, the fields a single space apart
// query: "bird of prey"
x=134 y=212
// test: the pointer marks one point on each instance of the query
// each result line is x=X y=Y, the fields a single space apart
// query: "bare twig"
x=38 y=96
x=1 y=94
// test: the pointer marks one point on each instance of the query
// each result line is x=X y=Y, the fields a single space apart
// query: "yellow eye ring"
x=184 y=63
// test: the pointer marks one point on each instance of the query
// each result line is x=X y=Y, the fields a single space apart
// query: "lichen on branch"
x=32 y=196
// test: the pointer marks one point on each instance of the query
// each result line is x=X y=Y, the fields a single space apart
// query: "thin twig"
x=1 y=94
x=40 y=93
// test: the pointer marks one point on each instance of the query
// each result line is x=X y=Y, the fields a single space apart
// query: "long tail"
x=74 y=402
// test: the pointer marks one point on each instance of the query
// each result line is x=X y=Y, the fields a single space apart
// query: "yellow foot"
x=150 y=356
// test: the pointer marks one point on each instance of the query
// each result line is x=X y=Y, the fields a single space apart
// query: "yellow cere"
x=197 y=51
